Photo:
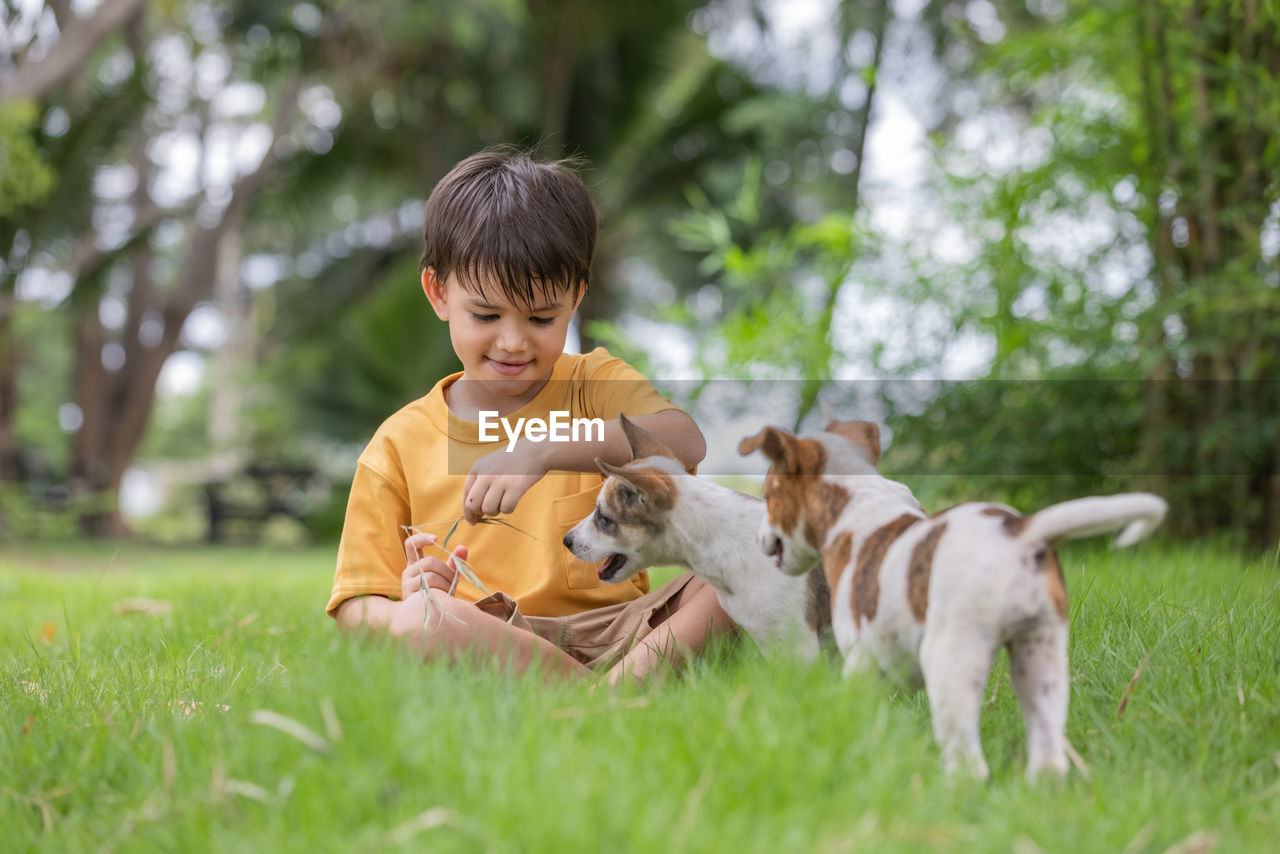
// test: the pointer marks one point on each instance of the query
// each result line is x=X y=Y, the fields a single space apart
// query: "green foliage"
x=44 y=374
x=1119 y=268
x=766 y=309
x=27 y=516
x=25 y=177
x=382 y=354
x=141 y=731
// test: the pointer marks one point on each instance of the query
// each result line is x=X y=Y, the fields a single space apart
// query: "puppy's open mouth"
x=776 y=551
x=611 y=567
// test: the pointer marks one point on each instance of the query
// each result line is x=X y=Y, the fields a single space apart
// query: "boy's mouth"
x=509 y=369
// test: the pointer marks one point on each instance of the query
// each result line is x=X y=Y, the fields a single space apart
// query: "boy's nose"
x=511 y=339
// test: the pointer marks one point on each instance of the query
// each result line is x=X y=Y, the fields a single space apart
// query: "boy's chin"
x=512 y=386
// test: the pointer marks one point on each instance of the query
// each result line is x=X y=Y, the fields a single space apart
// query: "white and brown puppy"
x=933 y=598
x=651 y=512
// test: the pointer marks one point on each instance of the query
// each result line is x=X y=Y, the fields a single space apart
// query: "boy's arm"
x=374 y=612
x=498 y=480
x=673 y=427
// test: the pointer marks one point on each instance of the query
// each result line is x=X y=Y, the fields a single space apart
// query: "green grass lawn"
x=145 y=732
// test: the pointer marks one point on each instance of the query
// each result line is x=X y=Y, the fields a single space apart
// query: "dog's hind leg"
x=1038 y=668
x=858 y=659
x=955 y=668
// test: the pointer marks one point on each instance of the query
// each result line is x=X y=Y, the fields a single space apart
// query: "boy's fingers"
x=436 y=581
x=459 y=552
x=414 y=543
x=473 y=505
x=438 y=576
x=493 y=502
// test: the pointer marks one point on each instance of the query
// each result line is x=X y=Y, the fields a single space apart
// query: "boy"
x=508 y=244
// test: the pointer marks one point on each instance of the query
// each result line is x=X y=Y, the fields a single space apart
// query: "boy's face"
x=507 y=349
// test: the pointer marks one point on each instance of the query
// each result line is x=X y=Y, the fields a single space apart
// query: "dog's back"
x=715 y=535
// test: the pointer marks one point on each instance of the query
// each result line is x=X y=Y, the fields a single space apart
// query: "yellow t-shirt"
x=412 y=472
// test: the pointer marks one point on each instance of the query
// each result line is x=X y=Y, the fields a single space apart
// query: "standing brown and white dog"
x=651 y=512
x=933 y=598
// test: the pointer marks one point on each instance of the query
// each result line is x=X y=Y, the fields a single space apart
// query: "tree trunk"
x=117 y=404
x=81 y=35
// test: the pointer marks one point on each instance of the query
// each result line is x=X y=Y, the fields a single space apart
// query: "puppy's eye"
x=604 y=523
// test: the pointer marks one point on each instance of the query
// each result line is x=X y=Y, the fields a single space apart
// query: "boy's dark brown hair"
x=502 y=217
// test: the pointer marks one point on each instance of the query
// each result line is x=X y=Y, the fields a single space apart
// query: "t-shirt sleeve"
x=371 y=553
x=611 y=387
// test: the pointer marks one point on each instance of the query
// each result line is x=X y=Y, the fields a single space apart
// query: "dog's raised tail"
x=1137 y=513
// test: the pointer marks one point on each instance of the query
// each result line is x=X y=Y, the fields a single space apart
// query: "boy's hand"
x=498 y=480
x=439 y=574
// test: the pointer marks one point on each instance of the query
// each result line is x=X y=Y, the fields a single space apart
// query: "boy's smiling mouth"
x=509 y=368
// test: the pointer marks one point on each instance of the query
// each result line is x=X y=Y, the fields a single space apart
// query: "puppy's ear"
x=642 y=442
x=864 y=435
x=620 y=474
x=788 y=454
x=769 y=440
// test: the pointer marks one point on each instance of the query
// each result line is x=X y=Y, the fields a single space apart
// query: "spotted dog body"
x=932 y=599
x=651 y=512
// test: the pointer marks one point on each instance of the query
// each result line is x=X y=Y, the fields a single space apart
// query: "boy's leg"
x=687 y=623
x=458 y=629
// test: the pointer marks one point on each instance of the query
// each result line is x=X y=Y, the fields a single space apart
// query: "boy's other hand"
x=497 y=481
x=439 y=574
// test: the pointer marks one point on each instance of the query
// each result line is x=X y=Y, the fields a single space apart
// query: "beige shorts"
x=598 y=637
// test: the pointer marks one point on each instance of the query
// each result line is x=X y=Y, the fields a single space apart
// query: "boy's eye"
x=542 y=321
x=484 y=318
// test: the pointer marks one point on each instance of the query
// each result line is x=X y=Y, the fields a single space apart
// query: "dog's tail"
x=1138 y=513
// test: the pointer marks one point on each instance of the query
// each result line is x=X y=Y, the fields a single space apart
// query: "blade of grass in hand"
x=489 y=520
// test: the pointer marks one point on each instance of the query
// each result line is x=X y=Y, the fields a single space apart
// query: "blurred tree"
x=223 y=139
x=1115 y=170
x=119 y=125
x=32 y=79
x=626 y=86
x=772 y=255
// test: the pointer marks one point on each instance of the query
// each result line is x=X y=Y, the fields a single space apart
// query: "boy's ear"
x=433 y=287
x=582 y=292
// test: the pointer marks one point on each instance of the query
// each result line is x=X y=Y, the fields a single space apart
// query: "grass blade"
x=289 y=726
x=452 y=528
x=490 y=520
x=470 y=575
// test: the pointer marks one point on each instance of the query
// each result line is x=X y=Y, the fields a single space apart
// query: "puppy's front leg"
x=955 y=666
x=857 y=659
x=1038 y=669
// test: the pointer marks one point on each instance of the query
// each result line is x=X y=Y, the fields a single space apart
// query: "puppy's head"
x=802 y=503
x=628 y=528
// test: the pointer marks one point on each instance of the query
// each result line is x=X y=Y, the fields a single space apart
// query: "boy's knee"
x=432 y=626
